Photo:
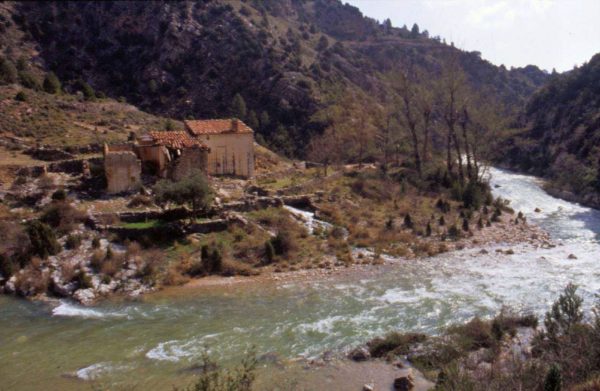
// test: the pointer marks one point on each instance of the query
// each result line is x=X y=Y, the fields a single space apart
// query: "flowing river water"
x=150 y=342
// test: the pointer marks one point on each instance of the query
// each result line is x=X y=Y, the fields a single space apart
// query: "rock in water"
x=404 y=383
x=368 y=387
x=361 y=353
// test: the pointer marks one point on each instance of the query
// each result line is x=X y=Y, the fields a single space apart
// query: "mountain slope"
x=562 y=137
x=189 y=59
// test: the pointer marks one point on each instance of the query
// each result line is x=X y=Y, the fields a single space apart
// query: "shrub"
x=475 y=334
x=28 y=80
x=454 y=232
x=212 y=259
x=8 y=72
x=96 y=242
x=59 y=195
x=269 y=251
x=7 y=267
x=465 y=225
x=109 y=252
x=428 y=229
x=62 y=216
x=282 y=243
x=73 y=242
x=396 y=343
x=215 y=378
x=408 y=223
x=442 y=221
x=51 y=83
x=566 y=312
x=21 y=96
x=553 y=380
x=83 y=280
x=42 y=239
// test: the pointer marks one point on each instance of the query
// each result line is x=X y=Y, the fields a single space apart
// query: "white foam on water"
x=175 y=350
x=69 y=309
x=97 y=370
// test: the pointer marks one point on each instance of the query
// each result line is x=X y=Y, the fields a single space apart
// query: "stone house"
x=216 y=147
x=230 y=143
x=165 y=154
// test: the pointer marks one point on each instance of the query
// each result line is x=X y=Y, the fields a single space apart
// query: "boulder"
x=361 y=353
x=368 y=387
x=572 y=256
x=404 y=383
x=85 y=296
x=537 y=210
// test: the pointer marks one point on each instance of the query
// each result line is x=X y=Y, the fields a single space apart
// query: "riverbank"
x=498 y=238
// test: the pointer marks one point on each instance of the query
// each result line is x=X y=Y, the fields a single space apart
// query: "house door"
x=221 y=160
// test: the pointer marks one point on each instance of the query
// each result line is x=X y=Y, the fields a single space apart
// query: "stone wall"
x=190 y=159
x=123 y=171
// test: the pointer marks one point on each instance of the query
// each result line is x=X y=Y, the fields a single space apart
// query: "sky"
x=551 y=34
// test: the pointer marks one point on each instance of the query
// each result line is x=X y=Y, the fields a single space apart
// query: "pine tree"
x=8 y=72
x=238 y=107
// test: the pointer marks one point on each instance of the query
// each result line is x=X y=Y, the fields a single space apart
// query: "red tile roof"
x=217 y=126
x=179 y=140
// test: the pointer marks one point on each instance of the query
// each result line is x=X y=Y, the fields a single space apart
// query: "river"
x=150 y=342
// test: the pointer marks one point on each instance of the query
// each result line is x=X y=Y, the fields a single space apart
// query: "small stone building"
x=122 y=168
x=165 y=154
x=172 y=154
x=230 y=143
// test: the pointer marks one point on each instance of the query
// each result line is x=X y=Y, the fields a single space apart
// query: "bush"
x=269 y=251
x=475 y=334
x=282 y=243
x=62 y=216
x=7 y=267
x=42 y=239
x=51 y=83
x=553 y=380
x=82 y=280
x=215 y=378
x=21 y=96
x=59 y=195
x=96 y=242
x=28 y=80
x=454 y=232
x=8 y=72
x=212 y=259
x=408 y=223
x=396 y=343
x=73 y=242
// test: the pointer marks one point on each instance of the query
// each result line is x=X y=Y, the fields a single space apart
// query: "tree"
x=42 y=239
x=193 y=191
x=8 y=72
x=414 y=32
x=252 y=120
x=323 y=43
x=51 y=83
x=169 y=126
x=238 y=107
x=265 y=121
x=322 y=149
x=566 y=312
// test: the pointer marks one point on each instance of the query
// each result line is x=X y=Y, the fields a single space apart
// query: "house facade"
x=230 y=143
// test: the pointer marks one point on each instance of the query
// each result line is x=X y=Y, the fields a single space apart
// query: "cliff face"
x=561 y=136
x=189 y=59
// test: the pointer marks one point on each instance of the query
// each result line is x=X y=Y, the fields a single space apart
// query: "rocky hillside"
x=561 y=137
x=190 y=59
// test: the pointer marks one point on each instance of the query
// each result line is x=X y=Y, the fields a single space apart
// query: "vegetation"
x=560 y=137
x=216 y=378
x=193 y=191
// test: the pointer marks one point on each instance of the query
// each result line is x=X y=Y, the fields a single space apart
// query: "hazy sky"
x=547 y=33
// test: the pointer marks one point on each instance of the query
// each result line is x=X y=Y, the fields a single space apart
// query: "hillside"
x=284 y=57
x=561 y=136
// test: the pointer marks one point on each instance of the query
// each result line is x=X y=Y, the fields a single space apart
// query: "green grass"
x=142 y=224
